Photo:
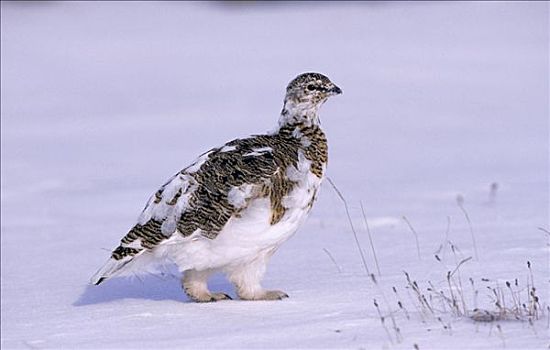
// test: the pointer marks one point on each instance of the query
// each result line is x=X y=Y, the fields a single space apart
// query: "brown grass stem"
x=370 y=238
x=415 y=236
x=351 y=224
x=333 y=260
x=460 y=203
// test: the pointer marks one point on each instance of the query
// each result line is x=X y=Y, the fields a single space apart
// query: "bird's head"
x=306 y=93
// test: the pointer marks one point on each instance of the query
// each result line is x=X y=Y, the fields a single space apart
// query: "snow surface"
x=103 y=101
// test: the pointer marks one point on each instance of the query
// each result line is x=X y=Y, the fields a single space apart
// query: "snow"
x=103 y=101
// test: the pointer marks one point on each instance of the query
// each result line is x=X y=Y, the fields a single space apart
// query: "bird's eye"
x=311 y=87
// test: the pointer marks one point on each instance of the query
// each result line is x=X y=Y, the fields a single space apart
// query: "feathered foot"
x=194 y=284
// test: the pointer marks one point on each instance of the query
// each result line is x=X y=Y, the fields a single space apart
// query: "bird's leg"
x=247 y=277
x=195 y=286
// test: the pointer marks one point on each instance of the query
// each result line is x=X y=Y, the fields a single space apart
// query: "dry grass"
x=351 y=225
x=370 y=239
x=415 y=236
x=460 y=203
x=456 y=298
x=507 y=302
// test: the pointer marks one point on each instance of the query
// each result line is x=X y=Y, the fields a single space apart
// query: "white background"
x=104 y=101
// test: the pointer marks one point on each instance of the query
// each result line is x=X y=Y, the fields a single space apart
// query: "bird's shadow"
x=151 y=287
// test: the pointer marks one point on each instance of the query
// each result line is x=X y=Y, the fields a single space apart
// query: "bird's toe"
x=220 y=296
x=275 y=295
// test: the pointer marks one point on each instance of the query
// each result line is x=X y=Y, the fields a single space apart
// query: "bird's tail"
x=111 y=268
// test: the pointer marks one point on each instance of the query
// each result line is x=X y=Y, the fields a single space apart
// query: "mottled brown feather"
x=209 y=208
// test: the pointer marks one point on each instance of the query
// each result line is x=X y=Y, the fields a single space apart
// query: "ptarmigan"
x=235 y=205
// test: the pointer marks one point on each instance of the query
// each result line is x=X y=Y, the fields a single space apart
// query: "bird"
x=232 y=208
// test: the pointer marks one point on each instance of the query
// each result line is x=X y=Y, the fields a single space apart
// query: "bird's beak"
x=336 y=90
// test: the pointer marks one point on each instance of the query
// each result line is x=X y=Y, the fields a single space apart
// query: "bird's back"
x=284 y=169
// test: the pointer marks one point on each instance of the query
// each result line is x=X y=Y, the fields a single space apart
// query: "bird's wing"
x=219 y=184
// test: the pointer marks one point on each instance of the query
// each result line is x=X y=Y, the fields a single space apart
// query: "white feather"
x=228 y=149
x=258 y=151
x=237 y=196
x=193 y=168
x=169 y=213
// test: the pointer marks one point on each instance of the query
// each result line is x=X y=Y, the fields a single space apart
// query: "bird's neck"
x=300 y=122
x=299 y=113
